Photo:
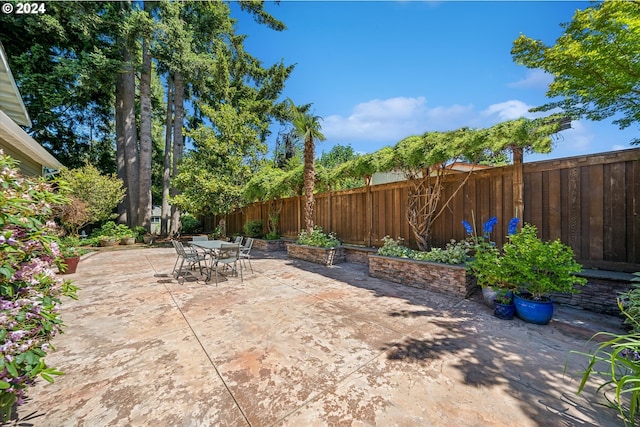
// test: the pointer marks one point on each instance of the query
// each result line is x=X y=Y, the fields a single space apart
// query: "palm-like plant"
x=307 y=128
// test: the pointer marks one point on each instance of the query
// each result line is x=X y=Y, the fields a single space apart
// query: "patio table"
x=211 y=248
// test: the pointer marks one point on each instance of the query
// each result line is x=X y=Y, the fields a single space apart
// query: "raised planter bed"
x=268 y=245
x=432 y=276
x=324 y=256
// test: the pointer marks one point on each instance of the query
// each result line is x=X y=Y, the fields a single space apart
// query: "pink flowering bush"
x=30 y=291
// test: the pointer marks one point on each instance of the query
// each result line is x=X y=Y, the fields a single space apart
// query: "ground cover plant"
x=455 y=252
x=30 y=291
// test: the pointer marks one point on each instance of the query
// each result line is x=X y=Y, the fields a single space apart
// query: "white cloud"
x=392 y=119
x=508 y=110
x=534 y=79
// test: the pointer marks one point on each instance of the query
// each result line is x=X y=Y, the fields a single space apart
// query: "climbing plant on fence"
x=30 y=291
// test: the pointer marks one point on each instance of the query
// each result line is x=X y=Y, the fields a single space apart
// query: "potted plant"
x=503 y=306
x=537 y=269
x=69 y=258
x=107 y=234
x=125 y=235
x=486 y=265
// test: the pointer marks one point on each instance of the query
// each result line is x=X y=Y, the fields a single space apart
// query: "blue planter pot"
x=538 y=312
x=503 y=311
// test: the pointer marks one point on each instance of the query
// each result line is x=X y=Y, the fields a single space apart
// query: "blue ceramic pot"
x=503 y=311
x=538 y=312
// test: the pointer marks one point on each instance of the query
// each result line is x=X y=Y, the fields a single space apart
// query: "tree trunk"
x=309 y=183
x=144 y=213
x=178 y=144
x=120 y=158
x=518 y=183
x=166 y=172
x=130 y=136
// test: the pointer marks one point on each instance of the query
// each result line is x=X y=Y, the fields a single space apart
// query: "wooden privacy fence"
x=589 y=202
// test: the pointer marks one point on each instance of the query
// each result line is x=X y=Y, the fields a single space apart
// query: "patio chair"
x=199 y=238
x=245 y=252
x=188 y=255
x=227 y=256
x=238 y=240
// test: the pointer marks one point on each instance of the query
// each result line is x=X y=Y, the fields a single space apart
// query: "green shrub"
x=318 y=238
x=453 y=253
x=190 y=225
x=253 y=228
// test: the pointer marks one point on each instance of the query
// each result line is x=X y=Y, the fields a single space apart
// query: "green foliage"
x=139 y=231
x=212 y=177
x=30 y=291
x=539 y=267
x=595 y=63
x=190 y=224
x=269 y=182
x=336 y=157
x=453 y=253
x=253 y=228
x=272 y=235
x=71 y=246
x=101 y=193
x=122 y=231
x=486 y=266
x=615 y=368
x=630 y=301
x=318 y=238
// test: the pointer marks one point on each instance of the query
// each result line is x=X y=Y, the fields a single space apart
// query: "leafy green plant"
x=486 y=265
x=318 y=238
x=453 y=253
x=272 y=235
x=122 y=231
x=30 y=291
x=253 y=228
x=615 y=367
x=139 y=231
x=630 y=301
x=71 y=246
x=190 y=224
x=538 y=267
x=107 y=231
x=504 y=296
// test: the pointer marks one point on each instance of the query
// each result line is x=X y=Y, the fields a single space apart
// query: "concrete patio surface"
x=299 y=344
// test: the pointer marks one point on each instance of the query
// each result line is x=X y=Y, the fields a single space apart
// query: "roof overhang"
x=15 y=136
x=10 y=99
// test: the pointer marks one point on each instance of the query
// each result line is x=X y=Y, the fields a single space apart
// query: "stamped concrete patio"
x=298 y=344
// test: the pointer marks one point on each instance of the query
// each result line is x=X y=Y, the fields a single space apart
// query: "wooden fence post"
x=518 y=183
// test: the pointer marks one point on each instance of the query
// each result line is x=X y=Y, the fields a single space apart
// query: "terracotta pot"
x=72 y=265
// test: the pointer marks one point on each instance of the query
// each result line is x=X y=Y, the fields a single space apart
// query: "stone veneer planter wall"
x=268 y=245
x=432 y=276
x=324 y=256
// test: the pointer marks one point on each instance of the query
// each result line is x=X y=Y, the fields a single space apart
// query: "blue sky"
x=379 y=71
